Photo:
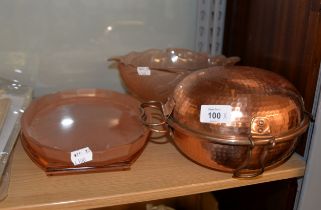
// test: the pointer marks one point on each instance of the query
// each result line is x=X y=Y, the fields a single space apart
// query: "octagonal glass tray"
x=83 y=130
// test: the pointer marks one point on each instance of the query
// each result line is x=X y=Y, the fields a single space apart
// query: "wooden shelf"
x=161 y=172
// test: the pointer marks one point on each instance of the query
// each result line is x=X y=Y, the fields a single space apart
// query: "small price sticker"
x=81 y=156
x=215 y=113
x=143 y=71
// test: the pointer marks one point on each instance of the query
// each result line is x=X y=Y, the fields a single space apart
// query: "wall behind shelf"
x=60 y=44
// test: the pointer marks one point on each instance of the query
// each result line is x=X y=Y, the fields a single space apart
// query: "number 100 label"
x=215 y=113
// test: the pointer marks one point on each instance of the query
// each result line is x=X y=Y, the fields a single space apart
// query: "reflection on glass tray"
x=83 y=130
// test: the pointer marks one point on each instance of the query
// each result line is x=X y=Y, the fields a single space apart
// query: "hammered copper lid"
x=252 y=96
x=108 y=123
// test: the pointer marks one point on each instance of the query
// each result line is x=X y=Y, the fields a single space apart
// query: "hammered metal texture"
x=167 y=68
x=229 y=157
x=252 y=93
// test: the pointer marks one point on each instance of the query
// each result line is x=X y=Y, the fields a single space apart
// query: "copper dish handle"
x=238 y=173
x=260 y=127
x=160 y=126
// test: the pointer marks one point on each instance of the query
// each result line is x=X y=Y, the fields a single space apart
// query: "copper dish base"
x=222 y=158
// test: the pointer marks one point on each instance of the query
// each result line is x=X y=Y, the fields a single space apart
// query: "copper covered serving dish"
x=154 y=73
x=234 y=119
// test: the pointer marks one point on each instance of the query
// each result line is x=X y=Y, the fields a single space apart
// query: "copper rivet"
x=261 y=122
x=260 y=130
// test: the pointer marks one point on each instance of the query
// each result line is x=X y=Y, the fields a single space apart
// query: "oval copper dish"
x=266 y=119
x=167 y=68
x=107 y=122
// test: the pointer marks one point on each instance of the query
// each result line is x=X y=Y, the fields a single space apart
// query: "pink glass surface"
x=107 y=122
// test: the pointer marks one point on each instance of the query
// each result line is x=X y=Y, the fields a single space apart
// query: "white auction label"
x=81 y=156
x=215 y=113
x=143 y=71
